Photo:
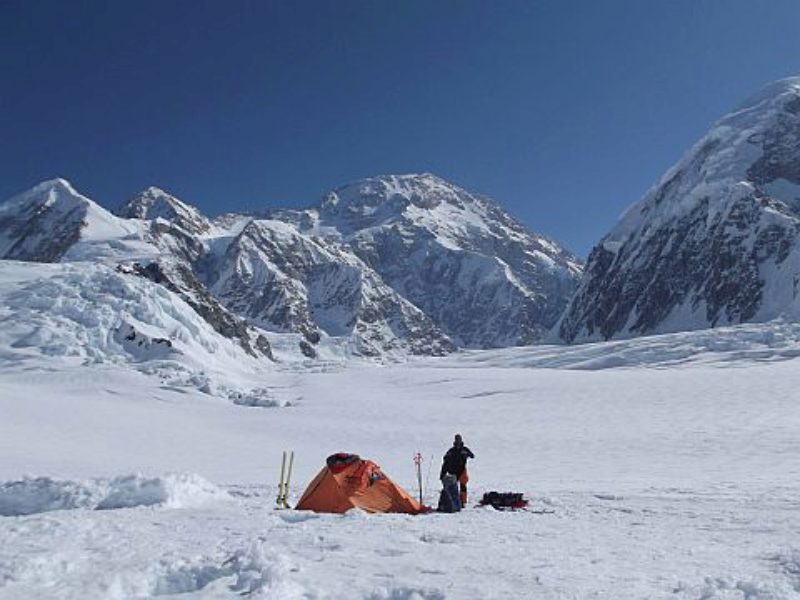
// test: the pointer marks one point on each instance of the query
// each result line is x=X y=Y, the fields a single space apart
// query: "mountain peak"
x=401 y=181
x=44 y=194
x=155 y=203
x=155 y=191
x=58 y=183
x=714 y=241
x=52 y=221
x=448 y=250
x=790 y=86
x=411 y=179
x=749 y=147
x=394 y=194
x=149 y=201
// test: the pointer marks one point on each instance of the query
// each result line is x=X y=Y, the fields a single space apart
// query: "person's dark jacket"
x=455 y=461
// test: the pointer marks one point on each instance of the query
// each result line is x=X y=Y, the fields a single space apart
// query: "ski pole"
x=418 y=463
x=280 y=483
x=428 y=474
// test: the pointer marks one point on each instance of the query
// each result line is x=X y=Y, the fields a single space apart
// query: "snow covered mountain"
x=716 y=241
x=53 y=222
x=393 y=265
x=154 y=203
x=477 y=273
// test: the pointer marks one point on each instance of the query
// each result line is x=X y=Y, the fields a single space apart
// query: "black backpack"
x=449 y=501
x=504 y=500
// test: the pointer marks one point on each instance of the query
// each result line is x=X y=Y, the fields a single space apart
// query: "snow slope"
x=677 y=482
x=714 y=242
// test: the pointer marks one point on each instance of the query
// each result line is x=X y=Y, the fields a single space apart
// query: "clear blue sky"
x=565 y=112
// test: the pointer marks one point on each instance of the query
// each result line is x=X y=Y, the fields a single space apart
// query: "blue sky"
x=565 y=112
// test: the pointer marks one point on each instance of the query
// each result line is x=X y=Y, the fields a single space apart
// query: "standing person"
x=455 y=463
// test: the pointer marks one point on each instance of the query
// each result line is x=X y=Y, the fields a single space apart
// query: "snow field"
x=666 y=483
x=662 y=544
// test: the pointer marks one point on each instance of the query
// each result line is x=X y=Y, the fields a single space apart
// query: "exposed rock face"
x=177 y=242
x=714 y=242
x=288 y=282
x=478 y=274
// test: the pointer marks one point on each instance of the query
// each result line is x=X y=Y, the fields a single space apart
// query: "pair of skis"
x=282 y=501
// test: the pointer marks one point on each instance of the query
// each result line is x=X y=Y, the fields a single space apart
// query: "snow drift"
x=43 y=494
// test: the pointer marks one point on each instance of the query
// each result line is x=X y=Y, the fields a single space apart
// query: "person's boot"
x=463 y=495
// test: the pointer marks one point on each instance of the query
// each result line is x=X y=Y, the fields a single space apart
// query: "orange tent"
x=347 y=481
